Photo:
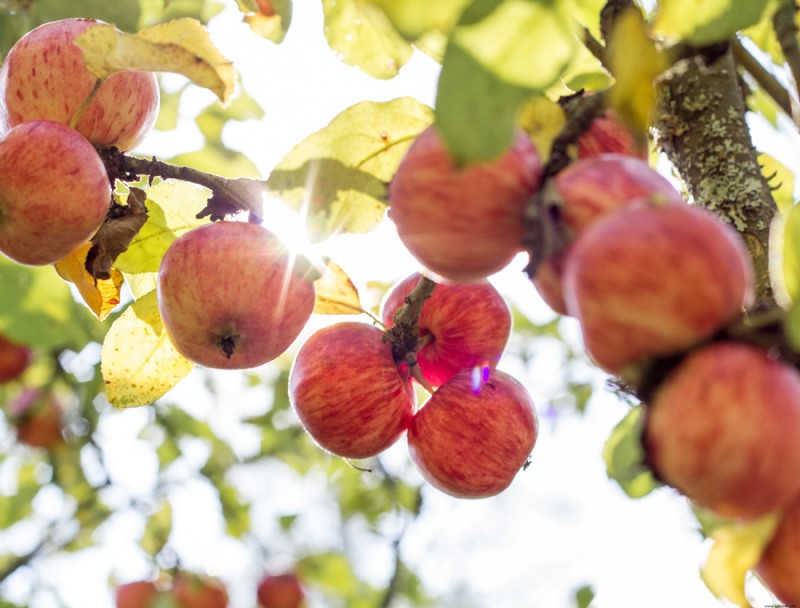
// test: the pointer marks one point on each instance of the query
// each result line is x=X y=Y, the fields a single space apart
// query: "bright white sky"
x=561 y=525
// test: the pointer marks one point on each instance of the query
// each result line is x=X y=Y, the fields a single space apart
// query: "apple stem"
x=416 y=373
x=79 y=113
x=404 y=336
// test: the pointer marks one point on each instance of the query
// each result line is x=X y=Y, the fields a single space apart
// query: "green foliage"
x=708 y=21
x=584 y=596
x=158 y=528
x=17 y=505
x=625 y=458
x=791 y=253
x=338 y=176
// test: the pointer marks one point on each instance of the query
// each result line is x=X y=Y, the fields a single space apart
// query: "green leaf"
x=413 y=18
x=584 y=596
x=707 y=21
x=37 y=308
x=338 y=176
x=212 y=119
x=791 y=327
x=487 y=72
x=791 y=253
x=364 y=37
x=234 y=509
x=781 y=181
x=763 y=33
x=220 y=160
x=624 y=456
x=172 y=208
x=122 y=13
x=157 y=531
x=527 y=43
x=329 y=572
x=19 y=504
x=138 y=361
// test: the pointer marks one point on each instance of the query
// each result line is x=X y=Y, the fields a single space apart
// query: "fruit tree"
x=343 y=303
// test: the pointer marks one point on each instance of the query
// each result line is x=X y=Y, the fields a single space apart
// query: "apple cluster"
x=653 y=283
x=355 y=396
x=54 y=188
x=186 y=590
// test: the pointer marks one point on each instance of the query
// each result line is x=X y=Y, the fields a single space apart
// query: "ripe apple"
x=14 y=359
x=474 y=434
x=462 y=325
x=44 y=77
x=38 y=418
x=138 y=594
x=591 y=189
x=199 y=592
x=780 y=562
x=348 y=392
x=724 y=429
x=280 y=591
x=54 y=192
x=230 y=297
x=654 y=279
x=607 y=134
x=463 y=223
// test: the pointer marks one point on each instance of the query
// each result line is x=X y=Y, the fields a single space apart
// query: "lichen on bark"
x=700 y=125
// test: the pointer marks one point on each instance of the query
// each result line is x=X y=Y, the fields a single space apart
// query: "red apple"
x=474 y=434
x=200 y=592
x=780 y=562
x=652 y=280
x=591 y=189
x=138 y=594
x=280 y=591
x=14 y=359
x=44 y=77
x=607 y=134
x=230 y=296
x=54 y=192
x=724 y=429
x=348 y=392
x=463 y=223
x=38 y=418
x=462 y=325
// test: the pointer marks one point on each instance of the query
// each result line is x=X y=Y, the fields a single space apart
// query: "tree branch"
x=761 y=75
x=228 y=195
x=786 y=32
x=700 y=125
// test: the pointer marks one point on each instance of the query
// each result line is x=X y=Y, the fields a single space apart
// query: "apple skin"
x=463 y=325
x=280 y=591
x=44 y=77
x=54 y=192
x=607 y=134
x=38 y=419
x=471 y=437
x=724 y=430
x=229 y=296
x=463 y=224
x=200 y=592
x=138 y=594
x=780 y=562
x=654 y=279
x=14 y=359
x=591 y=189
x=348 y=392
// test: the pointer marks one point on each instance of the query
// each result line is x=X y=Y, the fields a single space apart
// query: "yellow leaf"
x=336 y=294
x=542 y=119
x=100 y=295
x=138 y=361
x=737 y=548
x=182 y=46
x=635 y=63
x=781 y=180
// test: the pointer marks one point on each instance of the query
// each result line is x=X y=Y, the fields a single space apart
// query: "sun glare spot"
x=480 y=376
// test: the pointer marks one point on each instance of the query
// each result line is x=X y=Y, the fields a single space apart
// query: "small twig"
x=228 y=196
x=595 y=47
x=403 y=336
x=397 y=572
x=786 y=32
x=761 y=75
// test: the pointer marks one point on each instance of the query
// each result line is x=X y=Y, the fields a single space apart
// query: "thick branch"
x=700 y=125
x=228 y=195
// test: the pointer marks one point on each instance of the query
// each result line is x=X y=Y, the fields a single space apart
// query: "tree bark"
x=700 y=125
